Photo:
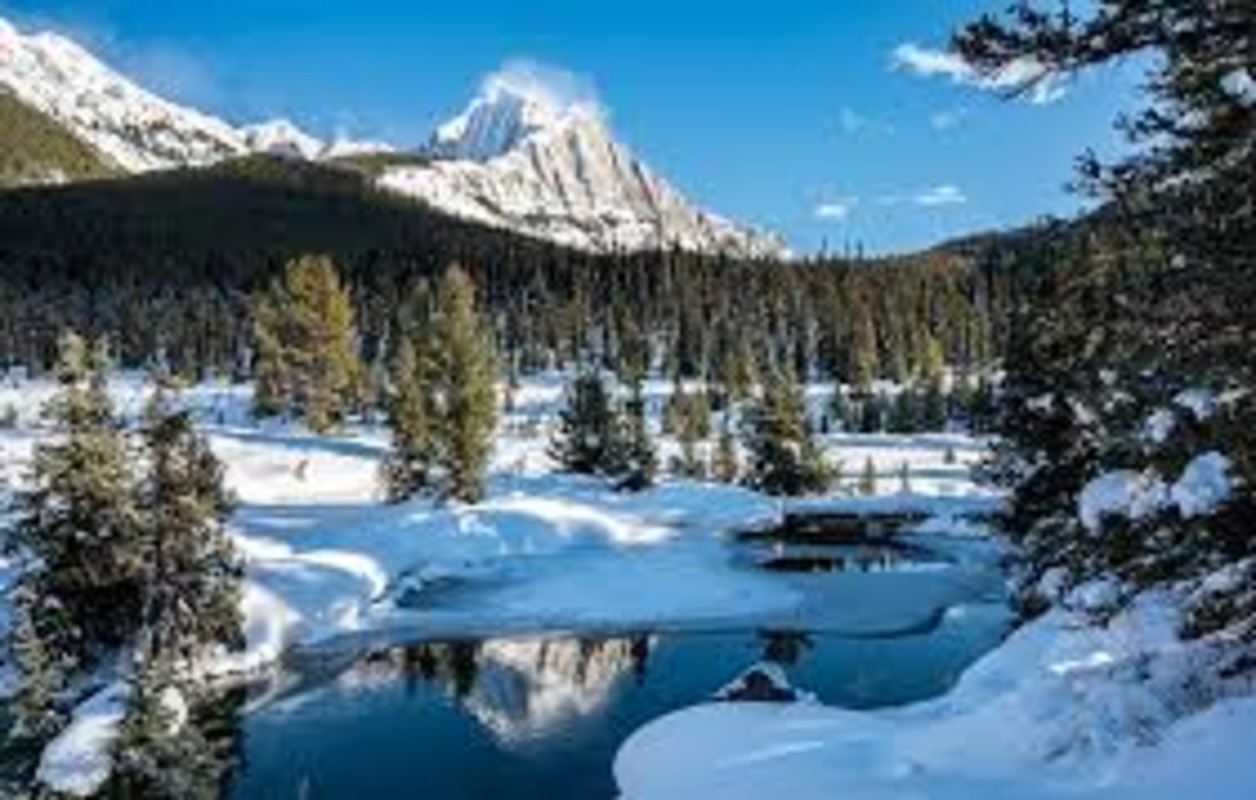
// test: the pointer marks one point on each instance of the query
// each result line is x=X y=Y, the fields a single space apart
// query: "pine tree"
x=586 y=439
x=637 y=462
x=463 y=386
x=725 y=466
x=868 y=478
x=270 y=362
x=933 y=414
x=78 y=519
x=840 y=410
x=904 y=415
x=36 y=643
x=161 y=754
x=407 y=470
x=1165 y=305
x=305 y=345
x=864 y=363
x=783 y=456
x=692 y=427
x=904 y=478
x=193 y=581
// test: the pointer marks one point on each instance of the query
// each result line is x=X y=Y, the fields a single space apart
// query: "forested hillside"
x=164 y=265
x=34 y=149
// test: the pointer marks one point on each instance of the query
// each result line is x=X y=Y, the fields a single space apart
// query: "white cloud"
x=1039 y=84
x=834 y=210
x=943 y=195
x=549 y=85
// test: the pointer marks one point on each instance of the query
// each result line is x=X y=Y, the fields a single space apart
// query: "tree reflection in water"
x=785 y=647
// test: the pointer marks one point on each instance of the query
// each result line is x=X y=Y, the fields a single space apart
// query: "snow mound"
x=78 y=761
x=1062 y=709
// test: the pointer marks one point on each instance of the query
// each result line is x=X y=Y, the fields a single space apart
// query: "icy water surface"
x=542 y=717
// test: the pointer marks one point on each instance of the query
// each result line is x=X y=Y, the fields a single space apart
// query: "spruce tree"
x=783 y=456
x=35 y=642
x=585 y=441
x=407 y=470
x=463 y=386
x=161 y=754
x=636 y=460
x=868 y=478
x=725 y=467
x=193 y=576
x=77 y=519
x=1165 y=307
x=904 y=416
x=692 y=427
x=933 y=413
x=305 y=345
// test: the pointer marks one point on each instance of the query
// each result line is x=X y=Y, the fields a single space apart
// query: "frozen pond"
x=542 y=716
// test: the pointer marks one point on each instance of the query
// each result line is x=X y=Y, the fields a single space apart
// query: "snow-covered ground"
x=1065 y=708
x=327 y=562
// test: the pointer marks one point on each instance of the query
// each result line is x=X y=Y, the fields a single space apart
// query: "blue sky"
x=792 y=114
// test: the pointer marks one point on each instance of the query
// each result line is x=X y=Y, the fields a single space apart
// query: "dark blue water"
x=543 y=717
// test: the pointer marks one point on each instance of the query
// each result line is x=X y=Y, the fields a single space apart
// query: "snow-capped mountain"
x=131 y=127
x=521 y=159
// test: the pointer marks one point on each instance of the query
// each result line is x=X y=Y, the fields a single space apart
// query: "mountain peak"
x=533 y=153
x=282 y=137
x=519 y=103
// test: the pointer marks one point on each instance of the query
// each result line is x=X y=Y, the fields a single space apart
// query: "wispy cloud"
x=837 y=210
x=947 y=119
x=547 y=84
x=853 y=123
x=943 y=195
x=1039 y=84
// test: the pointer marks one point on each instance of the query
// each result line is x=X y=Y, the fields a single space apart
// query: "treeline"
x=165 y=265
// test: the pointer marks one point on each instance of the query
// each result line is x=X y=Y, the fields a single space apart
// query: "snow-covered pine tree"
x=37 y=642
x=193 y=576
x=77 y=519
x=161 y=754
x=1166 y=311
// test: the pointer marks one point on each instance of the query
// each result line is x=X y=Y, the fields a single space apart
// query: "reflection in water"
x=518 y=689
x=785 y=647
x=542 y=717
x=881 y=557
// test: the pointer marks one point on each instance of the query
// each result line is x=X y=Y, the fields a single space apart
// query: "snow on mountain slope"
x=132 y=127
x=520 y=157
x=281 y=137
x=523 y=159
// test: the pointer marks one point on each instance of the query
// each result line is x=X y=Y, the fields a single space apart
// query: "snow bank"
x=1062 y=709
x=78 y=761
